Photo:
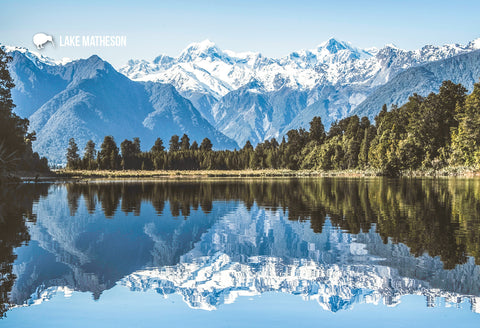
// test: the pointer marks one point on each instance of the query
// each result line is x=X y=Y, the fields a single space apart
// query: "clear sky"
x=274 y=28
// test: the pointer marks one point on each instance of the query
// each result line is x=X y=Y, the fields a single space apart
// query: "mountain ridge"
x=90 y=100
x=226 y=96
x=349 y=74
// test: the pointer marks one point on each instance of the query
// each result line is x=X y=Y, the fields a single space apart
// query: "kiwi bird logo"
x=40 y=39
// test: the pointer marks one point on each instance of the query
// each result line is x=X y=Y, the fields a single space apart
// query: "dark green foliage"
x=425 y=133
x=174 y=145
x=108 y=157
x=89 y=157
x=248 y=146
x=73 y=159
x=206 y=145
x=131 y=158
x=15 y=142
x=466 y=137
x=317 y=130
x=194 y=146
x=185 y=143
x=158 y=147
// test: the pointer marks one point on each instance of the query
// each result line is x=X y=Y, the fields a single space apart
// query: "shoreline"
x=79 y=175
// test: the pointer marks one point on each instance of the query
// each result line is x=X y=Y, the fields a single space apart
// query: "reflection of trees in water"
x=441 y=217
x=15 y=208
x=438 y=216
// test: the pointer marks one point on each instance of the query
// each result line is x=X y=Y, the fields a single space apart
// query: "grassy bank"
x=124 y=174
x=162 y=174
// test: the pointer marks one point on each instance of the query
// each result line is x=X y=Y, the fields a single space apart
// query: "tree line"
x=440 y=130
x=16 y=152
x=433 y=216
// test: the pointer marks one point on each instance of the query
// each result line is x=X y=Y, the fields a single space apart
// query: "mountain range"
x=226 y=96
x=88 y=99
x=220 y=254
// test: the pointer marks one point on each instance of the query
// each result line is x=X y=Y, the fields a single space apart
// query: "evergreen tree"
x=89 y=155
x=466 y=138
x=129 y=153
x=206 y=145
x=317 y=130
x=136 y=146
x=73 y=158
x=248 y=146
x=13 y=129
x=90 y=152
x=274 y=144
x=185 y=143
x=158 y=146
x=108 y=157
x=194 y=146
x=174 y=145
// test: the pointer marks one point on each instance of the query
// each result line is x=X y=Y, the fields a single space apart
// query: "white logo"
x=40 y=39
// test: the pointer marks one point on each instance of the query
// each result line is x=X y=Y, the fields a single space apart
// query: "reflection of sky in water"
x=119 y=307
x=249 y=266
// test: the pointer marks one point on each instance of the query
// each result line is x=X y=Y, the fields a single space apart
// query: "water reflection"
x=15 y=209
x=336 y=241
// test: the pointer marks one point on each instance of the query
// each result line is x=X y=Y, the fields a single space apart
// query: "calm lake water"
x=241 y=253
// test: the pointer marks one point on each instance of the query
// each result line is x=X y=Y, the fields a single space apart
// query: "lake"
x=332 y=252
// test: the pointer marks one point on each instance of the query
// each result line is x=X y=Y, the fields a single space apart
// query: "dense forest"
x=438 y=217
x=430 y=132
x=15 y=141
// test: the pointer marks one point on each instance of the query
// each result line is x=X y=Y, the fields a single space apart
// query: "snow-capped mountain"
x=203 y=67
x=88 y=99
x=215 y=256
x=226 y=96
x=335 y=78
x=422 y=80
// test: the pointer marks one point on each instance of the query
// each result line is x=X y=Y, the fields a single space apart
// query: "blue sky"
x=274 y=28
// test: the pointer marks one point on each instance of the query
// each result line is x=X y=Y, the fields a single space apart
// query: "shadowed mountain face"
x=248 y=96
x=227 y=97
x=88 y=99
x=214 y=241
x=423 y=80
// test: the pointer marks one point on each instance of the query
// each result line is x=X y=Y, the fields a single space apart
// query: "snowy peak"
x=163 y=60
x=330 y=80
x=200 y=50
x=334 y=46
x=475 y=44
x=37 y=58
x=334 y=50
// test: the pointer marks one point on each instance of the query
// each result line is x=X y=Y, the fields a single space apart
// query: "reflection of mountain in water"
x=249 y=253
x=214 y=241
x=15 y=209
x=87 y=252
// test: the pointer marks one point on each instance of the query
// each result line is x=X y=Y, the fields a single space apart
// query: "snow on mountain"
x=248 y=253
x=216 y=280
x=205 y=67
x=36 y=57
x=88 y=99
x=226 y=96
x=218 y=72
x=350 y=74
x=422 y=80
x=213 y=258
